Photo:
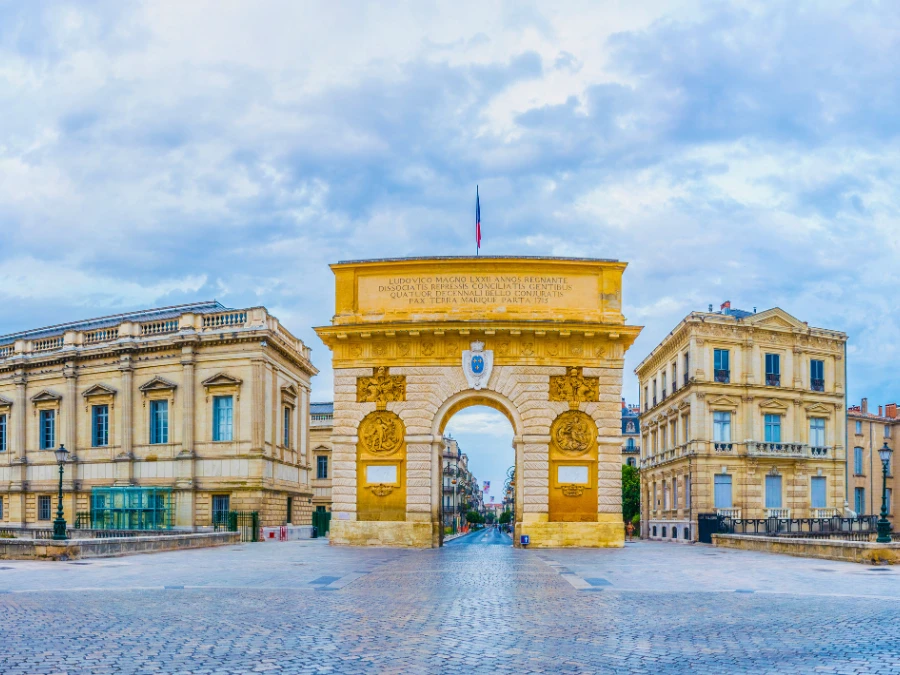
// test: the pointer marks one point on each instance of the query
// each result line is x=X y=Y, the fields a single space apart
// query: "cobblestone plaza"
x=475 y=605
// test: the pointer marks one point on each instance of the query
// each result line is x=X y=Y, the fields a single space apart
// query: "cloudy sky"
x=161 y=152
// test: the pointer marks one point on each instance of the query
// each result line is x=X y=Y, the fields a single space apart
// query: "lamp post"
x=884 y=527
x=59 y=525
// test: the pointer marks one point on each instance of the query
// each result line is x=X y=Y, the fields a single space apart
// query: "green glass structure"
x=132 y=508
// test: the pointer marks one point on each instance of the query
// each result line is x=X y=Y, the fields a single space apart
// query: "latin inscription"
x=449 y=289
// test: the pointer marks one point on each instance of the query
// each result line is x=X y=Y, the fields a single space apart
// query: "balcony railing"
x=226 y=319
x=102 y=335
x=159 y=327
x=722 y=376
x=818 y=450
x=7 y=350
x=778 y=513
x=777 y=449
x=729 y=513
x=48 y=344
x=824 y=513
x=773 y=380
x=817 y=385
x=723 y=447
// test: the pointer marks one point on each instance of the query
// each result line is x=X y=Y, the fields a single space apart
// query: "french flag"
x=477 y=222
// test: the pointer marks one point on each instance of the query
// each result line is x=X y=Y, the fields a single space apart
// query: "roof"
x=321 y=408
x=203 y=307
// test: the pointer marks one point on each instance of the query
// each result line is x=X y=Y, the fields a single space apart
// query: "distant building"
x=742 y=414
x=320 y=427
x=868 y=431
x=631 y=434
x=461 y=490
x=173 y=417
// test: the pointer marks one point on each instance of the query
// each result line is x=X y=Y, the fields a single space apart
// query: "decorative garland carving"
x=381 y=489
x=381 y=387
x=573 y=432
x=571 y=490
x=381 y=432
x=574 y=387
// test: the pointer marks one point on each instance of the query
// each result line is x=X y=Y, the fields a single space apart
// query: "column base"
x=572 y=535
x=381 y=533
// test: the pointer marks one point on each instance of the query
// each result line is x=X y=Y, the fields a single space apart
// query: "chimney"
x=865 y=405
x=880 y=414
x=890 y=410
x=623 y=403
x=725 y=305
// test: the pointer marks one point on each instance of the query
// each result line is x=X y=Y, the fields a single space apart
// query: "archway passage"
x=415 y=341
x=477 y=455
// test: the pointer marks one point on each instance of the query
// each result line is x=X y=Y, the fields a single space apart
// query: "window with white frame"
x=773 y=428
x=44 y=507
x=721 y=426
x=817 y=492
x=858 y=427
x=859 y=500
x=687 y=492
x=3 y=433
x=858 y=461
x=223 y=418
x=287 y=426
x=675 y=493
x=47 y=429
x=322 y=467
x=887 y=431
x=99 y=426
x=817 y=375
x=159 y=421
x=817 y=432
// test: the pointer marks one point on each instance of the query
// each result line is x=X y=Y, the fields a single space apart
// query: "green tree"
x=474 y=517
x=631 y=492
x=505 y=517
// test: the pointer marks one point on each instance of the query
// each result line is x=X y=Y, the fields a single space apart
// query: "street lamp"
x=884 y=527
x=59 y=525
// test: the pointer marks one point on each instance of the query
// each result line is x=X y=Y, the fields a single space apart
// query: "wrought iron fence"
x=245 y=522
x=834 y=527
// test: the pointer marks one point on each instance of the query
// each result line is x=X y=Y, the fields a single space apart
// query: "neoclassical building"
x=742 y=414
x=320 y=427
x=868 y=430
x=189 y=412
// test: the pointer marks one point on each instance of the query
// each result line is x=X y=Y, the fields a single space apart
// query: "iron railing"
x=773 y=380
x=245 y=522
x=797 y=527
x=818 y=385
x=722 y=376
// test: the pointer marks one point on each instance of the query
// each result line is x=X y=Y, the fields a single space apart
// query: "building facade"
x=461 y=492
x=742 y=414
x=194 y=410
x=631 y=434
x=869 y=431
x=321 y=425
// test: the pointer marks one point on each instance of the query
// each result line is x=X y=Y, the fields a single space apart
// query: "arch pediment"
x=157 y=384
x=222 y=380
x=46 y=395
x=98 y=390
x=773 y=404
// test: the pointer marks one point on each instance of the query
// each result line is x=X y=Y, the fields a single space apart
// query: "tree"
x=505 y=517
x=631 y=492
x=474 y=517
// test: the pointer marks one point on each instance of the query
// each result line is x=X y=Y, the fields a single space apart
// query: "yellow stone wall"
x=678 y=449
x=535 y=343
x=246 y=354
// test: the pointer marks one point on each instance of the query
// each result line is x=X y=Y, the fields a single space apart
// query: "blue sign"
x=524 y=540
x=477 y=364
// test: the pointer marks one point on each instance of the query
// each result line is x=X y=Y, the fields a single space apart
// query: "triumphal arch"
x=416 y=340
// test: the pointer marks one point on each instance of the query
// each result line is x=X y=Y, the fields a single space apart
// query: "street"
x=487 y=537
x=306 y=607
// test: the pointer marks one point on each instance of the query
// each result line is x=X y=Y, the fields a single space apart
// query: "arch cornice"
x=470 y=397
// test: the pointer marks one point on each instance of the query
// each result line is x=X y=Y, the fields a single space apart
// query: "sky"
x=153 y=153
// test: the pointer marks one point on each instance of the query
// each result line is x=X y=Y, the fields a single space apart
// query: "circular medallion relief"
x=573 y=432
x=381 y=432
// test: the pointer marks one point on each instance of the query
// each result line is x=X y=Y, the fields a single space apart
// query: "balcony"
x=723 y=447
x=775 y=449
x=773 y=380
x=729 y=513
x=723 y=376
x=818 y=450
x=817 y=385
x=824 y=513
x=778 y=513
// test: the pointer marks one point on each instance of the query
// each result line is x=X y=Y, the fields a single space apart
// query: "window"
x=816 y=375
x=1 y=508
x=47 y=423
x=858 y=461
x=654 y=392
x=687 y=362
x=631 y=461
x=663 y=385
x=665 y=445
x=322 y=466
x=221 y=505
x=99 y=426
x=722 y=427
x=859 y=500
x=817 y=432
x=43 y=507
x=721 y=367
x=320 y=509
x=665 y=495
x=3 y=433
x=773 y=370
x=773 y=492
x=290 y=510
x=674 y=376
x=655 y=500
x=287 y=427
x=685 y=427
x=159 y=421
x=646 y=398
x=887 y=431
x=629 y=444
x=817 y=492
x=674 y=493
x=722 y=494
x=773 y=428
x=223 y=418
x=687 y=492
x=858 y=427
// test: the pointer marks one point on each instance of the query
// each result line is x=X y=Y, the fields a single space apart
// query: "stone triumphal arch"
x=415 y=340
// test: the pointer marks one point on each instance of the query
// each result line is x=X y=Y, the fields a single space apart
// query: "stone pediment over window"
x=98 y=390
x=723 y=402
x=819 y=409
x=773 y=404
x=158 y=384
x=222 y=380
x=5 y=402
x=289 y=395
x=45 y=396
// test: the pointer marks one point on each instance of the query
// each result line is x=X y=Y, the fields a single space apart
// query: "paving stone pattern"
x=475 y=606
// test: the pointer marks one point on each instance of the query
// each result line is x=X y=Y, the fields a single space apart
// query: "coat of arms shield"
x=477 y=363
